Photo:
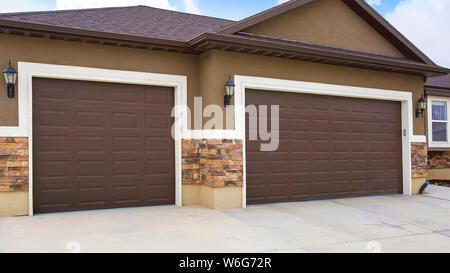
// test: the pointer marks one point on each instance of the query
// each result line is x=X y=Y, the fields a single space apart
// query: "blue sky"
x=231 y=9
x=227 y=8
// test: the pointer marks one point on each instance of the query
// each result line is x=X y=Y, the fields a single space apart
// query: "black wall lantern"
x=10 y=77
x=229 y=91
x=421 y=107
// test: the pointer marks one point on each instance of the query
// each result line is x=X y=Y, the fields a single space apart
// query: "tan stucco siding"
x=25 y=49
x=206 y=73
x=217 y=65
x=329 y=23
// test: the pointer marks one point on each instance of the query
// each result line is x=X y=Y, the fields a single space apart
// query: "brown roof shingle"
x=139 y=21
x=441 y=81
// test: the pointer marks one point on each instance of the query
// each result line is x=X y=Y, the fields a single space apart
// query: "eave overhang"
x=437 y=91
x=240 y=43
x=89 y=36
x=312 y=53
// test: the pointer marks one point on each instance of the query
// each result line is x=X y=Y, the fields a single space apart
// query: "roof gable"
x=397 y=44
x=329 y=23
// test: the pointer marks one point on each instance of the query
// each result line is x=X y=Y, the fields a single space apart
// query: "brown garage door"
x=330 y=147
x=101 y=145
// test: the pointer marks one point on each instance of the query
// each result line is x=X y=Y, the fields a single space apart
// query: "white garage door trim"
x=29 y=70
x=269 y=84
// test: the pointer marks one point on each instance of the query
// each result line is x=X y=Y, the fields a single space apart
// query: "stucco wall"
x=25 y=49
x=216 y=65
x=206 y=73
x=326 y=22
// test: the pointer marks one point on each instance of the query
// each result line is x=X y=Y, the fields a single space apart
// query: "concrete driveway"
x=381 y=224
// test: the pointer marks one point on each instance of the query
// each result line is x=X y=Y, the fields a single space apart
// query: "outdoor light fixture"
x=421 y=107
x=229 y=91
x=10 y=76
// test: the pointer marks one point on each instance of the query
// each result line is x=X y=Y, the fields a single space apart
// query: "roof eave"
x=208 y=41
x=90 y=36
x=437 y=91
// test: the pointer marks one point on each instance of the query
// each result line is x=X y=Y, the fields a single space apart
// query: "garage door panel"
x=330 y=147
x=54 y=117
x=153 y=121
x=90 y=144
x=54 y=143
x=154 y=192
x=299 y=190
x=90 y=119
x=88 y=168
x=53 y=184
x=126 y=143
x=90 y=196
x=101 y=145
x=157 y=166
x=298 y=166
x=55 y=198
x=87 y=157
x=124 y=120
x=160 y=96
x=299 y=155
x=154 y=144
x=279 y=178
x=255 y=167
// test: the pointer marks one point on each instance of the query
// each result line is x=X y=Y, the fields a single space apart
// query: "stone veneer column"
x=212 y=173
x=419 y=165
x=13 y=176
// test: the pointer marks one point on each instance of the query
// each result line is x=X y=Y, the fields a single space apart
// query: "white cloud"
x=191 y=6
x=374 y=2
x=371 y=2
x=82 y=4
x=427 y=25
x=24 y=5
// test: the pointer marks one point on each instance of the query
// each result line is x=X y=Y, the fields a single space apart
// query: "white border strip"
x=29 y=70
x=245 y=82
x=212 y=134
x=419 y=139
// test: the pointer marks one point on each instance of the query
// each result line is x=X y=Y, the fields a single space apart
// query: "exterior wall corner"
x=212 y=172
x=419 y=160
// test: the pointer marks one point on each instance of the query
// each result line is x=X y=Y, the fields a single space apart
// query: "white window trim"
x=270 y=84
x=431 y=143
x=25 y=83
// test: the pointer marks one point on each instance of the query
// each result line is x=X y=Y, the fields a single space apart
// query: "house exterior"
x=90 y=126
x=437 y=90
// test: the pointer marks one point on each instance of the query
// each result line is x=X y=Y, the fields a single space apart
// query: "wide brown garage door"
x=330 y=147
x=101 y=145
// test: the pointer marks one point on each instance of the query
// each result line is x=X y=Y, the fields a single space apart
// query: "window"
x=438 y=122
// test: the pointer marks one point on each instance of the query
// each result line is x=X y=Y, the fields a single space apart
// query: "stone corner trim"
x=215 y=163
x=13 y=164
x=419 y=159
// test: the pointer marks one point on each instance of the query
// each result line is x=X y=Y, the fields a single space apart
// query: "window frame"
x=430 y=121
